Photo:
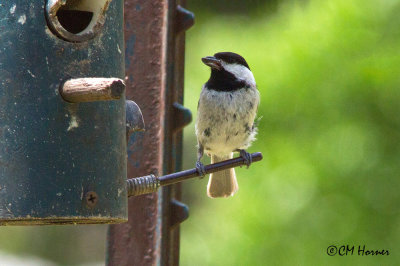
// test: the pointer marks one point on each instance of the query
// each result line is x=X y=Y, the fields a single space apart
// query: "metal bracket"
x=134 y=118
x=184 y=19
x=182 y=116
x=179 y=212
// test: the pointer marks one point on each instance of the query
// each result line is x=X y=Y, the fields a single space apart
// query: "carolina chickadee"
x=225 y=118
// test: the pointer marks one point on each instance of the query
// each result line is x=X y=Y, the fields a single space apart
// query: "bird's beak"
x=212 y=62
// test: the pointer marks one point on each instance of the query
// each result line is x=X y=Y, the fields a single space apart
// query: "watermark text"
x=351 y=250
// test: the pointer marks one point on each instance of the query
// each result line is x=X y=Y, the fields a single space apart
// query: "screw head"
x=91 y=198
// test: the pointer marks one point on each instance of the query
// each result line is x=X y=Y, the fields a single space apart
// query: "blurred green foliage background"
x=329 y=77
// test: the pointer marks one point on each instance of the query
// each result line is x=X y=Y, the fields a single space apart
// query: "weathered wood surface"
x=92 y=89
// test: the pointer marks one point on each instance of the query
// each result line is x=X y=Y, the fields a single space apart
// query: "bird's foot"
x=200 y=169
x=247 y=157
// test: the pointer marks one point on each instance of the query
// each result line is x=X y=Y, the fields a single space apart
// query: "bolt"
x=91 y=199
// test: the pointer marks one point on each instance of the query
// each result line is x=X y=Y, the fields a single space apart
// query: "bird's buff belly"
x=223 y=136
x=225 y=120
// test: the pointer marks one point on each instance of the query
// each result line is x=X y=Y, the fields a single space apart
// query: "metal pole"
x=176 y=118
x=136 y=242
x=154 y=45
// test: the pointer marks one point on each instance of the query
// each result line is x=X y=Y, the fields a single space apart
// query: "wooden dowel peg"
x=92 y=89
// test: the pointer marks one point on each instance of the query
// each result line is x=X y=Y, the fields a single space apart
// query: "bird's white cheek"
x=241 y=73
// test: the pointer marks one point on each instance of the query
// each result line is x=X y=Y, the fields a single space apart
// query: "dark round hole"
x=74 y=21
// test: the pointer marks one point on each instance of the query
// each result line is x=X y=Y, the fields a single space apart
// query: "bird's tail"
x=222 y=183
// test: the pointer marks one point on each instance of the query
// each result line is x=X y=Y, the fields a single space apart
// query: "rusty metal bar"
x=137 y=242
x=149 y=184
x=154 y=45
x=178 y=21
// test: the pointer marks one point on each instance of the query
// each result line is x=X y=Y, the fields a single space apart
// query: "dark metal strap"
x=151 y=183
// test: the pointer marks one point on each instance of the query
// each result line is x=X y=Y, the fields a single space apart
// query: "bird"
x=225 y=121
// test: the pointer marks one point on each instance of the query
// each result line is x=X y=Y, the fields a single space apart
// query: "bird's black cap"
x=231 y=58
x=220 y=79
x=228 y=57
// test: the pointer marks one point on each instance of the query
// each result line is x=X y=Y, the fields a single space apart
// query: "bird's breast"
x=225 y=119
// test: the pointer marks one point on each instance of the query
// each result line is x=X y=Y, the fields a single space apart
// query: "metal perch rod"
x=149 y=184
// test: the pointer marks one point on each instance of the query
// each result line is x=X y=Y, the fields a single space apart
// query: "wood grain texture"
x=92 y=89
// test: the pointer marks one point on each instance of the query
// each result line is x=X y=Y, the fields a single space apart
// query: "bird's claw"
x=200 y=169
x=247 y=157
